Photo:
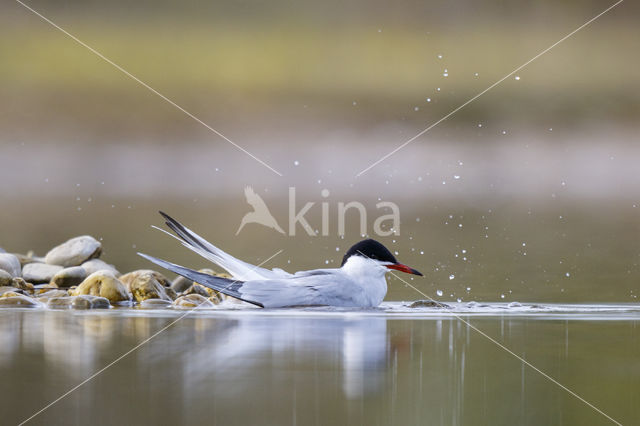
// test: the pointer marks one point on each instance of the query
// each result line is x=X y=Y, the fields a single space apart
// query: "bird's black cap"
x=371 y=249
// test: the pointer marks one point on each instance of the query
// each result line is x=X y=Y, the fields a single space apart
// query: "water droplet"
x=428 y=99
x=439 y=293
x=517 y=77
x=296 y=163
x=451 y=277
x=416 y=108
x=456 y=177
x=502 y=296
x=439 y=56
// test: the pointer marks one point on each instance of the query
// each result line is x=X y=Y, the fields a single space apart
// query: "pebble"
x=193 y=301
x=43 y=288
x=128 y=278
x=47 y=295
x=38 y=273
x=145 y=286
x=181 y=284
x=16 y=300
x=9 y=289
x=5 y=278
x=95 y=265
x=154 y=304
x=28 y=258
x=20 y=283
x=78 y=302
x=70 y=277
x=74 y=252
x=428 y=304
x=104 y=284
x=10 y=263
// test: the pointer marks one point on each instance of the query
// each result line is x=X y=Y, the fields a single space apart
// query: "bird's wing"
x=236 y=267
x=329 y=288
x=254 y=200
x=322 y=289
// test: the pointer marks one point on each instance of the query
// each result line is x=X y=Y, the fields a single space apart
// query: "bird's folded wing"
x=328 y=289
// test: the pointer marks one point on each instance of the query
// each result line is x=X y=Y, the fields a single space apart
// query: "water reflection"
x=248 y=368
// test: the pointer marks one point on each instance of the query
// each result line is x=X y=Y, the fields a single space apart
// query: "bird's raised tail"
x=223 y=285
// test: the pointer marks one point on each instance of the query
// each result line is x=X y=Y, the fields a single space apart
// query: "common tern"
x=358 y=282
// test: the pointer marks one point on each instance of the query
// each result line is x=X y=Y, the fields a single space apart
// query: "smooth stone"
x=9 y=289
x=38 y=273
x=145 y=286
x=196 y=289
x=28 y=258
x=128 y=278
x=193 y=301
x=43 y=288
x=20 y=283
x=69 y=277
x=43 y=297
x=154 y=304
x=5 y=278
x=74 y=252
x=427 y=304
x=11 y=264
x=103 y=284
x=95 y=265
x=17 y=300
x=78 y=302
x=181 y=284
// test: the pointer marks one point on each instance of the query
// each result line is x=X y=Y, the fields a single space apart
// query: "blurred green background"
x=541 y=172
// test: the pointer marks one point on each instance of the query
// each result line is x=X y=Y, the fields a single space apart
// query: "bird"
x=260 y=213
x=359 y=282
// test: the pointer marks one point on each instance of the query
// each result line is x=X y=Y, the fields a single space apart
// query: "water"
x=393 y=365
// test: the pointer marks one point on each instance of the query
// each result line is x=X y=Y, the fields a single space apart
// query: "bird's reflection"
x=358 y=347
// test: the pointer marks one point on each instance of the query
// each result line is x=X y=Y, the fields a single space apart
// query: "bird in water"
x=359 y=281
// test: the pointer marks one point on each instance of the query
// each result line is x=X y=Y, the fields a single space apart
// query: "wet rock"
x=43 y=288
x=39 y=273
x=128 y=278
x=90 y=302
x=172 y=294
x=74 y=252
x=181 y=284
x=43 y=297
x=78 y=302
x=95 y=265
x=193 y=301
x=16 y=300
x=145 y=286
x=196 y=289
x=155 y=304
x=69 y=277
x=9 y=289
x=103 y=284
x=428 y=304
x=5 y=278
x=20 y=283
x=10 y=263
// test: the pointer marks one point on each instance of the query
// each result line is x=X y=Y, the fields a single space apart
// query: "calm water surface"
x=389 y=366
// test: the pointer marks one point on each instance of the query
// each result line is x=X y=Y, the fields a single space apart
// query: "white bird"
x=260 y=213
x=359 y=282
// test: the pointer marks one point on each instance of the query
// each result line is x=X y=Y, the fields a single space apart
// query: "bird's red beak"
x=404 y=268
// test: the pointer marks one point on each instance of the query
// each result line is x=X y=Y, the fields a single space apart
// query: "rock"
x=181 y=284
x=69 y=277
x=9 y=289
x=196 y=289
x=28 y=258
x=22 y=284
x=74 y=252
x=43 y=297
x=154 y=304
x=103 y=284
x=78 y=302
x=5 y=278
x=131 y=276
x=145 y=286
x=17 y=300
x=172 y=294
x=427 y=304
x=193 y=301
x=10 y=263
x=39 y=273
x=43 y=288
x=95 y=265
